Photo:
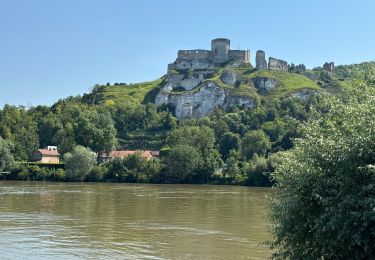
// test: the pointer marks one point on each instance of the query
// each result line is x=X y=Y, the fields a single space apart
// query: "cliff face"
x=200 y=102
x=264 y=85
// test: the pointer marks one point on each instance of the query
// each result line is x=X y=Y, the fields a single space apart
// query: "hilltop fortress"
x=204 y=59
x=200 y=80
x=220 y=54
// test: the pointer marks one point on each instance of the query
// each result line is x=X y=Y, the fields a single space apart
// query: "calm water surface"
x=121 y=221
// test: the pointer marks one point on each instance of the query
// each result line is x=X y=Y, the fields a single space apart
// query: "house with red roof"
x=50 y=154
x=104 y=157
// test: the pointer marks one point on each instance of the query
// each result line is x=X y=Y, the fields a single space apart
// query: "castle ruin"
x=206 y=59
x=329 y=67
x=190 y=91
x=277 y=64
x=260 y=60
x=273 y=64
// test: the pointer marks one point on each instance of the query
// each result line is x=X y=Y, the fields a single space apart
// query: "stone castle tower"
x=260 y=60
x=220 y=49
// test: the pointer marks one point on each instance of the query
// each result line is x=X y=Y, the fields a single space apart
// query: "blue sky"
x=54 y=49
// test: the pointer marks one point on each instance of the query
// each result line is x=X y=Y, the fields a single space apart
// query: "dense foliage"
x=6 y=157
x=324 y=199
x=240 y=146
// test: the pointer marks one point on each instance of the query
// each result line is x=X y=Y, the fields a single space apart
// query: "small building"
x=50 y=154
x=104 y=157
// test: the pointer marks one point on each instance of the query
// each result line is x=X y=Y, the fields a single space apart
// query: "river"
x=45 y=220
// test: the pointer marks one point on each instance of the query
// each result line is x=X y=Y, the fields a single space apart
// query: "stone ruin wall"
x=239 y=55
x=277 y=64
x=193 y=54
x=260 y=60
x=192 y=59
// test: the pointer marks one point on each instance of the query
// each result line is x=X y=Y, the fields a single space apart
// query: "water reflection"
x=117 y=221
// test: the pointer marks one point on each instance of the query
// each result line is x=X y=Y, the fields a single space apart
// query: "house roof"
x=49 y=152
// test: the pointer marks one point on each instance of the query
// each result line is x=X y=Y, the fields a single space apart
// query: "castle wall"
x=207 y=59
x=277 y=64
x=192 y=59
x=193 y=54
x=239 y=55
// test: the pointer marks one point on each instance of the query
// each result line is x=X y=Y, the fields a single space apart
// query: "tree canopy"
x=324 y=199
x=79 y=163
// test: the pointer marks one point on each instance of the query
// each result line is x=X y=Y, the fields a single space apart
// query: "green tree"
x=257 y=171
x=183 y=162
x=211 y=163
x=232 y=171
x=255 y=142
x=19 y=127
x=48 y=128
x=79 y=163
x=202 y=138
x=324 y=200
x=96 y=130
x=6 y=157
x=229 y=141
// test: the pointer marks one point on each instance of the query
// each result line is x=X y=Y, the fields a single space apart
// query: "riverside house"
x=49 y=154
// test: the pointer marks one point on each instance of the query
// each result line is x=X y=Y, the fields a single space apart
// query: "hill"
x=145 y=92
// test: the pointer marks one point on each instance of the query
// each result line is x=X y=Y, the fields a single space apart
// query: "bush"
x=258 y=172
x=79 y=163
x=44 y=174
x=323 y=204
x=96 y=173
x=58 y=175
x=23 y=173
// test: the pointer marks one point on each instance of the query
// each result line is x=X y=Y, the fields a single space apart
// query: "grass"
x=288 y=82
x=133 y=93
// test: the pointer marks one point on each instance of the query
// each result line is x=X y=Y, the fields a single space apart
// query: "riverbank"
x=142 y=171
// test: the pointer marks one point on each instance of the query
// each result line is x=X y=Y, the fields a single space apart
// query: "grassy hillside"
x=288 y=83
x=145 y=92
x=122 y=93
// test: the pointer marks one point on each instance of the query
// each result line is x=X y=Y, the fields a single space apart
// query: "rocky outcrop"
x=228 y=77
x=264 y=85
x=233 y=101
x=201 y=102
x=174 y=77
x=305 y=94
x=189 y=84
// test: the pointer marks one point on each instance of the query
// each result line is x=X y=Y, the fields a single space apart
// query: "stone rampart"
x=277 y=64
x=239 y=55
